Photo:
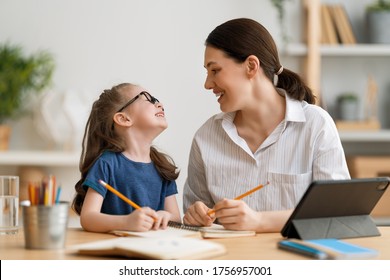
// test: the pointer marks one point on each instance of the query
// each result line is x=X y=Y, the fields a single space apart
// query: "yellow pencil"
x=242 y=196
x=111 y=189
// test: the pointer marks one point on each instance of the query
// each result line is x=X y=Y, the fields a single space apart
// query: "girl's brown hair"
x=242 y=37
x=100 y=136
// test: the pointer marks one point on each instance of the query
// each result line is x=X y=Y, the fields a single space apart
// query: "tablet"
x=336 y=209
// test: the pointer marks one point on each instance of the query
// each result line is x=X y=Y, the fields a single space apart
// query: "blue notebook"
x=327 y=249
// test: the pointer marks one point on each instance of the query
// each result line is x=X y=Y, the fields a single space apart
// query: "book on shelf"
x=171 y=248
x=328 y=32
x=176 y=229
x=342 y=24
x=336 y=27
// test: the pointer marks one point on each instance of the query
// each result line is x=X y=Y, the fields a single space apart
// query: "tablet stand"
x=334 y=227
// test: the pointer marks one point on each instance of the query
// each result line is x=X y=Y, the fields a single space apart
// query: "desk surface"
x=260 y=247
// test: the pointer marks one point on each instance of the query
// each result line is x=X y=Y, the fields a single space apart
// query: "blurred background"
x=157 y=44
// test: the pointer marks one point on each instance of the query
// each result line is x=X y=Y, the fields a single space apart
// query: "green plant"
x=279 y=6
x=21 y=76
x=380 y=5
x=348 y=96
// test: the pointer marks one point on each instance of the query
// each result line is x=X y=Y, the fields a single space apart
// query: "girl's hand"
x=141 y=219
x=197 y=215
x=162 y=220
x=236 y=215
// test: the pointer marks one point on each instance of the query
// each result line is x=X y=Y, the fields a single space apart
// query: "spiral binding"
x=183 y=226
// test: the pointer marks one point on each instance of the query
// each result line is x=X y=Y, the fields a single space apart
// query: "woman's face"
x=227 y=78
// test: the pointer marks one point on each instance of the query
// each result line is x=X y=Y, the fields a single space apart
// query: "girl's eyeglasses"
x=148 y=96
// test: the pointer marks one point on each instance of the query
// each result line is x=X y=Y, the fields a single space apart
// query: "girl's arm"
x=92 y=219
x=172 y=207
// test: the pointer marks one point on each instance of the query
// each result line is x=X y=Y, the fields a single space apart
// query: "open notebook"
x=171 y=248
x=176 y=229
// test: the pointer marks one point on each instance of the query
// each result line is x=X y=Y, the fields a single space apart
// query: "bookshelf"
x=359 y=50
x=39 y=158
x=362 y=136
x=32 y=165
x=333 y=67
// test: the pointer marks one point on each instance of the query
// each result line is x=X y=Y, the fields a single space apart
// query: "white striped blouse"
x=304 y=147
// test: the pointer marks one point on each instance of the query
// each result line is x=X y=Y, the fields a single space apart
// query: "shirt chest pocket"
x=289 y=187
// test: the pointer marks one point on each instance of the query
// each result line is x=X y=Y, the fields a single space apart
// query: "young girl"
x=117 y=149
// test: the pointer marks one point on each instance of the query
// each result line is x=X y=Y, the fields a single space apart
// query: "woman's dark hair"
x=242 y=37
x=100 y=136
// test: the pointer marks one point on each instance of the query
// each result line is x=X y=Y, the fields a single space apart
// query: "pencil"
x=111 y=189
x=58 y=195
x=242 y=196
x=31 y=193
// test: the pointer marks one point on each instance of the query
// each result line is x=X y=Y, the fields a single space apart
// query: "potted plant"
x=378 y=22
x=348 y=106
x=20 y=77
x=279 y=6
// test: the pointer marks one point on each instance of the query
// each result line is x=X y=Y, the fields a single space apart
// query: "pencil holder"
x=45 y=226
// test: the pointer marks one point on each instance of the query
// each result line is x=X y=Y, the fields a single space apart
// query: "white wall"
x=158 y=44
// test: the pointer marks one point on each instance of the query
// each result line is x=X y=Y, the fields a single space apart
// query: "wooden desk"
x=260 y=247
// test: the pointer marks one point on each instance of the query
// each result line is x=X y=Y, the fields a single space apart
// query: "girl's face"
x=145 y=111
x=227 y=78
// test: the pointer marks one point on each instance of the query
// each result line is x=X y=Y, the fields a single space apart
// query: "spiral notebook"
x=176 y=229
x=214 y=231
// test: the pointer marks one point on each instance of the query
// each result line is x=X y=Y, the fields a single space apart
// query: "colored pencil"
x=124 y=198
x=58 y=195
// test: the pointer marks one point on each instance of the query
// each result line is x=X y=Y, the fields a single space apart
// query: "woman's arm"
x=237 y=215
x=195 y=187
x=329 y=162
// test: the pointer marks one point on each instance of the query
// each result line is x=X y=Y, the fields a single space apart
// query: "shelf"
x=312 y=53
x=71 y=159
x=365 y=136
x=39 y=158
x=366 y=143
x=341 y=50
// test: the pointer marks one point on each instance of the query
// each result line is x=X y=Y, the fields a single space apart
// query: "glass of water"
x=9 y=204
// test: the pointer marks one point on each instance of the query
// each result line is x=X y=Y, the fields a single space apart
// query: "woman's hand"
x=236 y=215
x=197 y=215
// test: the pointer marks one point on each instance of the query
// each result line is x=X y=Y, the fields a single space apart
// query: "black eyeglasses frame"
x=148 y=96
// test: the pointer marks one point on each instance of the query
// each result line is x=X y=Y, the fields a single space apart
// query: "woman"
x=265 y=133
